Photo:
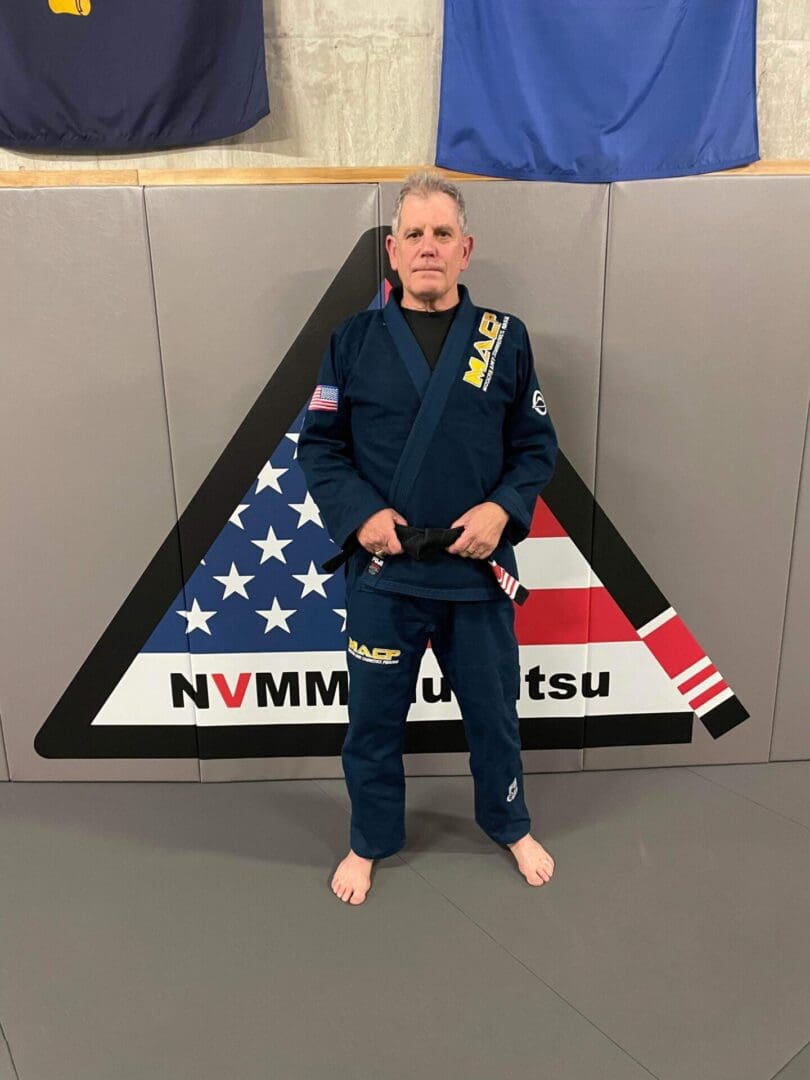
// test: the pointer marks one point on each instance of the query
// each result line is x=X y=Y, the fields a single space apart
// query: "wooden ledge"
x=25 y=178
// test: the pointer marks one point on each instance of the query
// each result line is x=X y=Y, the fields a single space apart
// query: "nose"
x=428 y=245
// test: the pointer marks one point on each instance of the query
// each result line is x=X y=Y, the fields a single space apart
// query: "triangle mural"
x=232 y=643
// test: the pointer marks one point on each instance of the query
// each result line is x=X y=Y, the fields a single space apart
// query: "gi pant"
x=476 y=649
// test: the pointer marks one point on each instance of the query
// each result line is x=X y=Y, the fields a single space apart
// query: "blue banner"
x=129 y=75
x=597 y=90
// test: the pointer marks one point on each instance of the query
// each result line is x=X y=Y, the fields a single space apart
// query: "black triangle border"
x=68 y=731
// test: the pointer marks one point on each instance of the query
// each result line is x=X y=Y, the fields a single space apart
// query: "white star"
x=234 y=582
x=311 y=581
x=293 y=435
x=235 y=517
x=307 y=511
x=268 y=477
x=272 y=547
x=276 y=616
x=342 y=613
x=196 y=619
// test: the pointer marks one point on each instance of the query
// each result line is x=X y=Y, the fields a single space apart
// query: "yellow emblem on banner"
x=70 y=7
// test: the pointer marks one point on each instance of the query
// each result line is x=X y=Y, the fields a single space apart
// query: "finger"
x=392 y=544
x=461 y=543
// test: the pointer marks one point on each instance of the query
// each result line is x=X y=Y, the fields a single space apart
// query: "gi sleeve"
x=344 y=498
x=530 y=449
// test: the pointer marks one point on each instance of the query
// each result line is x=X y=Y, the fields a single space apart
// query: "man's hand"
x=376 y=534
x=483 y=525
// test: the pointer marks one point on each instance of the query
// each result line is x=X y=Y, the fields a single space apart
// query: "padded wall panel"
x=84 y=457
x=791 y=725
x=3 y=763
x=238 y=273
x=539 y=252
x=701 y=422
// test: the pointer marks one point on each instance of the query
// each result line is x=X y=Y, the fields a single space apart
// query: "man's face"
x=429 y=252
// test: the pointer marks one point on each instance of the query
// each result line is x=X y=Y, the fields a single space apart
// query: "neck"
x=430 y=303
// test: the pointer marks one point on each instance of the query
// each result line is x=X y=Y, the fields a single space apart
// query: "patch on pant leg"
x=512 y=790
x=374 y=655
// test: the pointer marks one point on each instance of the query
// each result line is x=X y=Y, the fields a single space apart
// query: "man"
x=428 y=414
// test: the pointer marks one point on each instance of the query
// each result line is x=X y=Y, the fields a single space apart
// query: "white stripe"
x=685 y=676
x=638 y=684
x=696 y=691
x=553 y=562
x=655 y=623
x=707 y=706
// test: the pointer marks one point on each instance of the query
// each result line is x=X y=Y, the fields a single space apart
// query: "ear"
x=466 y=252
x=391 y=248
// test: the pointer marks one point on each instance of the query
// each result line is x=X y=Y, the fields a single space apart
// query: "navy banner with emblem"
x=597 y=90
x=129 y=75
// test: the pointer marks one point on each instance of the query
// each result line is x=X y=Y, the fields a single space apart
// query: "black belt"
x=421 y=544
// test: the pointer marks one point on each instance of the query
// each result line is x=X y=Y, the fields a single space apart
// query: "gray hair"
x=426 y=183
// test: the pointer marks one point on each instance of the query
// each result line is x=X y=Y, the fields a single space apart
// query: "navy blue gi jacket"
x=383 y=430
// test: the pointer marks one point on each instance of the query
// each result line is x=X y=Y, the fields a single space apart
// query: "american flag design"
x=258 y=607
x=324 y=399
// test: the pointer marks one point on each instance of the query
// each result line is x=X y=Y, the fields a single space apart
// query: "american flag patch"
x=325 y=398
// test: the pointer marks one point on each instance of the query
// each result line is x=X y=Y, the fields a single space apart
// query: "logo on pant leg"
x=374 y=655
x=512 y=790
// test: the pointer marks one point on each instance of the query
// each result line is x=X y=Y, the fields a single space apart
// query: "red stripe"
x=571 y=617
x=544 y=523
x=707 y=694
x=674 y=647
x=704 y=673
x=387 y=287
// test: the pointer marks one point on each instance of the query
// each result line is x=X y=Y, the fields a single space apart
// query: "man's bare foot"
x=534 y=862
x=352 y=878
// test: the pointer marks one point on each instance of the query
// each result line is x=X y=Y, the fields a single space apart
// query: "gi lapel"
x=432 y=387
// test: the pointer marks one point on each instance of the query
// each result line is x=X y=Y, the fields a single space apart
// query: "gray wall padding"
x=140 y=326
x=84 y=451
x=701 y=420
x=791 y=729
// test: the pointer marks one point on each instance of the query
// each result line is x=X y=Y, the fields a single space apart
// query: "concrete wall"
x=353 y=83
